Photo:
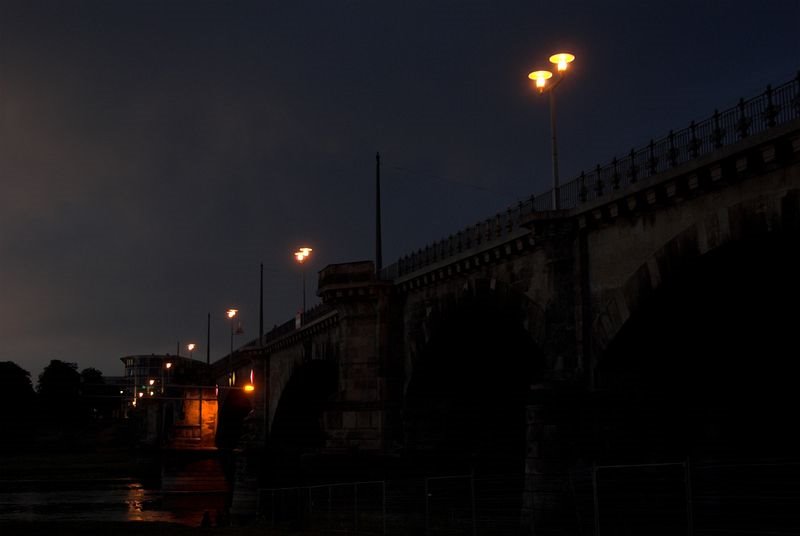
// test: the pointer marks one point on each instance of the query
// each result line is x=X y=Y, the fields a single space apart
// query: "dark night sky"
x=153 y=153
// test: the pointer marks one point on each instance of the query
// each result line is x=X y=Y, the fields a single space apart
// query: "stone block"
x=693 y=182
x=349 y=419
x=364 y=419
x=333 y=420
x=768 y=154
x=716 y=173
x=741 y=164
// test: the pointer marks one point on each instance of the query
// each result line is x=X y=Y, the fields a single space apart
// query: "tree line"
x=64 y=403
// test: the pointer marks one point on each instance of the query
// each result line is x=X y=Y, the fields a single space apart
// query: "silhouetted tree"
x=99 y=399
x=59 y=389
x=15 y=387
x=92 y=376
x=17 y=406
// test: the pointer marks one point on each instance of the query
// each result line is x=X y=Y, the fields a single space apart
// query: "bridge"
x=651 y=319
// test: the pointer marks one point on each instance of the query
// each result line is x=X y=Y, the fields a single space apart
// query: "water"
x=108 y=500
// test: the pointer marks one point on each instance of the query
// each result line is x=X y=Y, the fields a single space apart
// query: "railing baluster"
x=584 y=191
x=743 y=124
x=652 y=162
x=599 y=184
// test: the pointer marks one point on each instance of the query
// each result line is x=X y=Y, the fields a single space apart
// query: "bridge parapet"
x=774 y=107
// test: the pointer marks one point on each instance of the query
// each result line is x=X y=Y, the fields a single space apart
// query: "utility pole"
x=261 y=308
x=208 y=340
x=378 y=245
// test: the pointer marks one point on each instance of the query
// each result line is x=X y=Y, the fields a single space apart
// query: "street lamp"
x=231 y=314
x=165 y=376
x=300 y=256
x=561 y=60
x=190 y=347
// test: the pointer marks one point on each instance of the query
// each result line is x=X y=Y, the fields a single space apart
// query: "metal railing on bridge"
x=773 y=107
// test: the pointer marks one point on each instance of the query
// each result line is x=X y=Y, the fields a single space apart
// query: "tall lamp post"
x=190 y=347
x=561 y=61
x=231 y=314
x=300 y=256
x=165 y=375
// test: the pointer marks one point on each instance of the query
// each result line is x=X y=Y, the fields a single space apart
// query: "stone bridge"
x=652 y=318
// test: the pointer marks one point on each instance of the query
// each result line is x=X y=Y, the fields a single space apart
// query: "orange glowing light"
x=540 y=77
x=141 y=394
x=302 y=254
x=151 y=382
x=562 y=60
x=191 y=346
x=168 y=365
x=232 y=312
x=249 y=388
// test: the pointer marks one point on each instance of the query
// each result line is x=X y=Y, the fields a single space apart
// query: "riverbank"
x=89 y=528
x=95 y=464
x=94 y=452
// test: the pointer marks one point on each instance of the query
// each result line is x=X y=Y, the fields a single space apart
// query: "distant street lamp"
x=300 y=256
x=190 y=347
x=561 y=61
x=231 y=314
x=165 y=375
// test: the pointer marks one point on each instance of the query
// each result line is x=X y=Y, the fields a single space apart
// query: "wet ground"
x=116 y=500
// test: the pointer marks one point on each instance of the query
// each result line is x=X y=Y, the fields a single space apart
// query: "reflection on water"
x=120 y=500
x=143 y=506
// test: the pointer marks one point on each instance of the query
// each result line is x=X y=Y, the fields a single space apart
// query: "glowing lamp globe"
x=562 y=60
x=540 y=77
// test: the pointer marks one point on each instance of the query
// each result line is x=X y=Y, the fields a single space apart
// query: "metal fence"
x=434 y=506
x=697 y=499
x=683 y=498
x=773 y=107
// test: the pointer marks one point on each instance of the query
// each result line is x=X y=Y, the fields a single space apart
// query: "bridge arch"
x=476 y=356
x=702 y=363
x=758 y=217
x=297 y=426
x=235 y=405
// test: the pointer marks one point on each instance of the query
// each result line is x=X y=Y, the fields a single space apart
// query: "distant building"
x=151 y=374
x=174 y=399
